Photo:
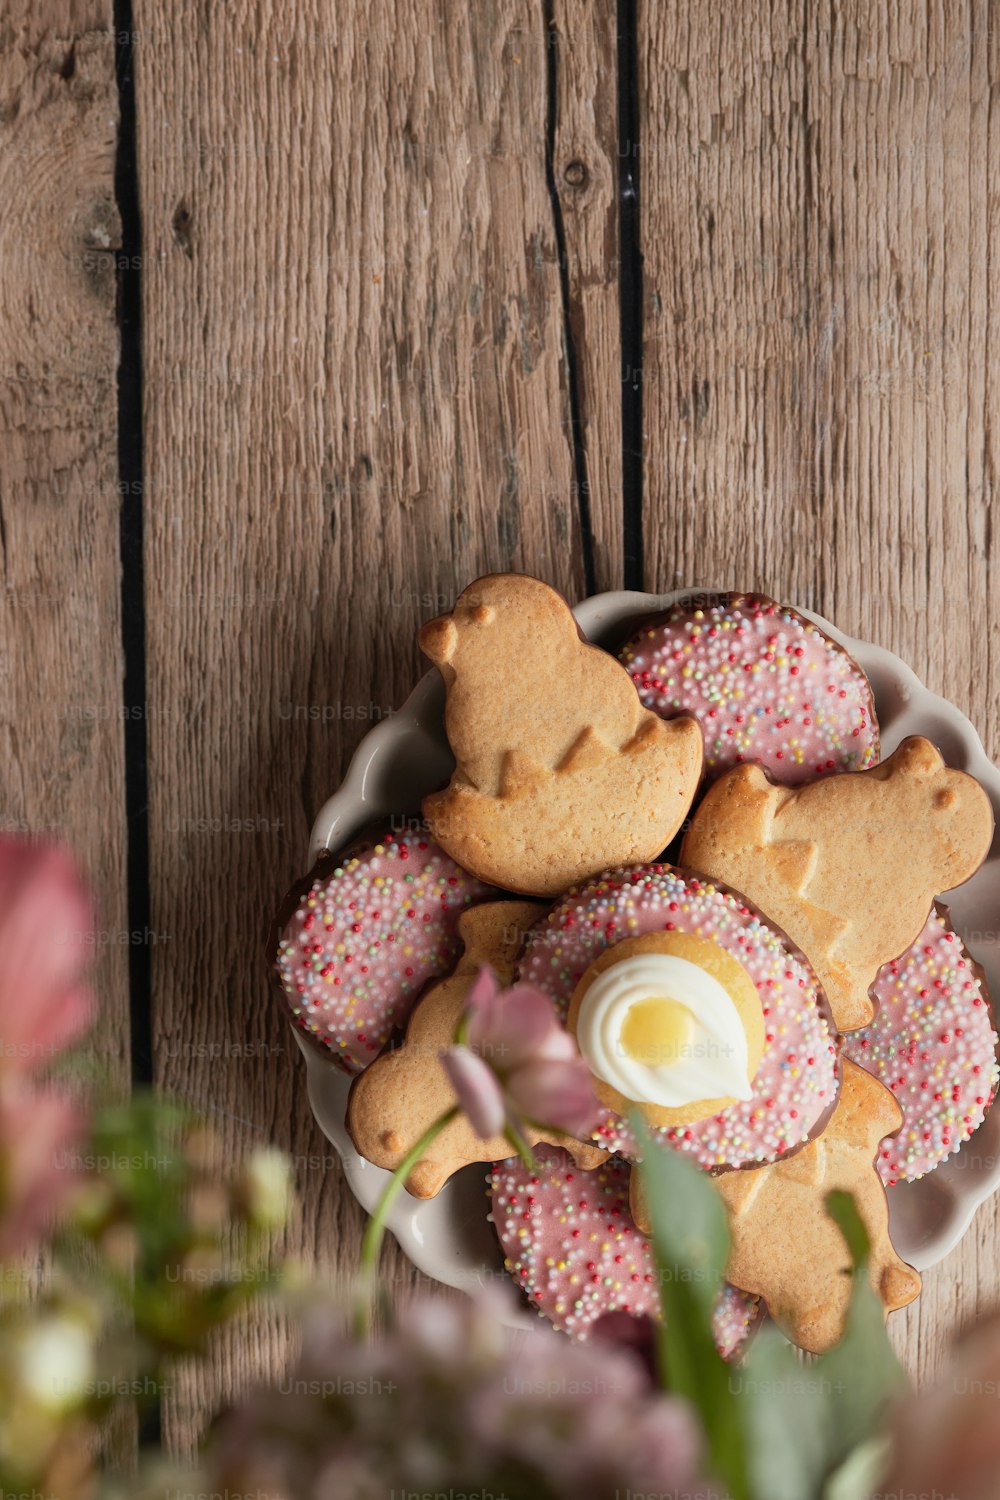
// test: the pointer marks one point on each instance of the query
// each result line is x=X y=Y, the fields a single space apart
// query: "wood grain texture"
x=819 y=212
x=371 y=234
x=583 y=43
x=60 y=664
x=356 y=400
x=61 y=710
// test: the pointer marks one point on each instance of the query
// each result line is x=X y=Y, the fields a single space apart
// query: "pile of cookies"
x=697 y=852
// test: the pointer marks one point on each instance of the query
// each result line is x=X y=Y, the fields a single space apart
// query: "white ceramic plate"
x=407 y=755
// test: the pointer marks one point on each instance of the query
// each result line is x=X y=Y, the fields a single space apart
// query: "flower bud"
x=56 y=1363
x=264 y=1189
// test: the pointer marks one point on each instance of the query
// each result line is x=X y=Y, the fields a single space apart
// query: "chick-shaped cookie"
x=785 y=1246
x=401 y=1094
x=848 y=866
x=560 y=772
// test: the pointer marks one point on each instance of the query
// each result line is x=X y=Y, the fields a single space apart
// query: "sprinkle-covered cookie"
x=367 y=931
x=794 y=1086
x=764 y=683
x=571 y=1244
x=932 y=1043
x=395 y=1102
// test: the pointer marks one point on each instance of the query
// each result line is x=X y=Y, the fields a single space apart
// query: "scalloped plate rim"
x=416 y=1224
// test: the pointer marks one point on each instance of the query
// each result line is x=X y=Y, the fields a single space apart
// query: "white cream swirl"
x=663 y=1031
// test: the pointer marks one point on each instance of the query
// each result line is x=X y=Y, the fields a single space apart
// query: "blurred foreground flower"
x=264 y=1189
x=177 y=1235
x=515 y=1062
x=46 y=938
x=39 y=1135
x=451 y=1401
x=947 y=1439
x=182 y=1235
x=177 y=1244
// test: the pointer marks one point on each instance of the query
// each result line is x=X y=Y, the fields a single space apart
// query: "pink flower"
x=479 y=1092
x=39 y=1130
x=46 y=936
x=518 y=1063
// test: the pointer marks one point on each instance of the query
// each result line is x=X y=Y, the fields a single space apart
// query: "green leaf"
x=777 y=1428
x=859 y=1477
x=861 y=1371
x=844 y=1212
x=805 y=1420
x=862 y=1375
x=838 y=1402
x=690 y=1241
x=783 y=1415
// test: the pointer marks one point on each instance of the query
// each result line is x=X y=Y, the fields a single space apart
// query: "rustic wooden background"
x=311 y=313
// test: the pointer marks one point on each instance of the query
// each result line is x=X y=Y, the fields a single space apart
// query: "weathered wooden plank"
x=819 y=204
x=583 y=44
x=723 y=191
x=355 y=402
x=903 y=184
x=60 y=656
x=61 y=710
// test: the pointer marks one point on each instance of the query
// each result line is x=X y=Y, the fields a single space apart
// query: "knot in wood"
x=576 y=174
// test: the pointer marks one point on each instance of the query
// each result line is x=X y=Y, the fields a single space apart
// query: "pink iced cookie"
x=797 y=1081
x=571 y=1244
x=367 y=931
x=932 y=1042
x=764 y=683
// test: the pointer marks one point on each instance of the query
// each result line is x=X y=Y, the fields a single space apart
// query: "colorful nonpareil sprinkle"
x=932 y=1042
x=366 y=936
x=764 y=683
x=573 y=1247
x=796 y=1083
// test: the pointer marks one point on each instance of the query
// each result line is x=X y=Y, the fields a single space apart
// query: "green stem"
x=375 y=1231
x=516 y=1138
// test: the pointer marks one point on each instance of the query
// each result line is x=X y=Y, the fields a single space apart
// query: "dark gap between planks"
x=130 y=489
x=131 y=492
x=630 y=292
x=569 y=346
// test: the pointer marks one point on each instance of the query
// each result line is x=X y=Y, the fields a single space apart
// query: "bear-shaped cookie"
x=401 y=1094
x=560 y=772
x=848 y=866
x=787 y=1248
